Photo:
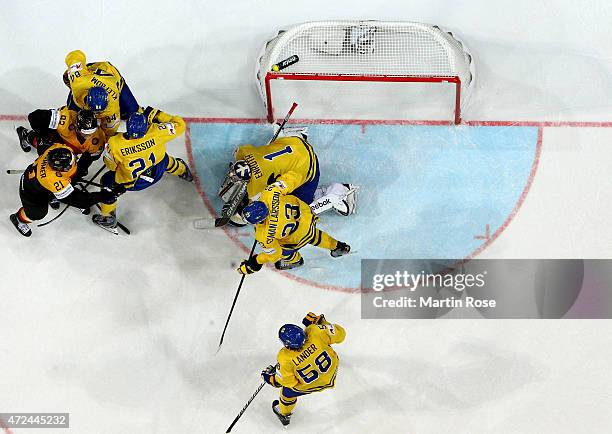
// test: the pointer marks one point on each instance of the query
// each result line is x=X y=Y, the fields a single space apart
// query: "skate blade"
x=114 y=231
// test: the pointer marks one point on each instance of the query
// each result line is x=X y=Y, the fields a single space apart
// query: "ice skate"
x=286 y=265
x=22 y=227
x=107 y=222
x=284 y=419
x=340 y=250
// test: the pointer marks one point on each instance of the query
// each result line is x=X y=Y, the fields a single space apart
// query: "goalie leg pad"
x=340 y=197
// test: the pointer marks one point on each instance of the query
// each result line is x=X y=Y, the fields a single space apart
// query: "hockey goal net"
x=324 y=55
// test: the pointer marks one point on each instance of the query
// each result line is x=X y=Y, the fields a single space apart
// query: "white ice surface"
x=122 y=332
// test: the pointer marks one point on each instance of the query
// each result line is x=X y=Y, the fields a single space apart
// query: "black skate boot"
x=276 y=409
x=54 y=203
x=187 y=176
x=340 y=250
x=286 y=265
x=23 y=139
x=107 y=222
x=22 y=227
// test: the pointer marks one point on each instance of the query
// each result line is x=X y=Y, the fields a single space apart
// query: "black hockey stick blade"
x=221 y=221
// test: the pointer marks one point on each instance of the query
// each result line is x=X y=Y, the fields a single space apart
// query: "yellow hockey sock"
x=175 y=167
x=286 y=405
x=324 y=240
x=106 y=209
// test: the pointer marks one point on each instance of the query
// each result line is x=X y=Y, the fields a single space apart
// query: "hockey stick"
x=66 y=207
x=230 y=208
x=261 y=386
x=235 y=298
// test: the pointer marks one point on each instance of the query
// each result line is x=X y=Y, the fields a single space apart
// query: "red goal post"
x=366 y=51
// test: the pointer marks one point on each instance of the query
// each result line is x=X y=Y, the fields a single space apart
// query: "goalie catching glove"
x=269 y=376
x=249 y=266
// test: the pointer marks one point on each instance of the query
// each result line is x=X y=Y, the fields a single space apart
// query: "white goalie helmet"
x=242 y=170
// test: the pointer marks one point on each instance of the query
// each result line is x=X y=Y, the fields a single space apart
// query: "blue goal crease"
x=425 y=191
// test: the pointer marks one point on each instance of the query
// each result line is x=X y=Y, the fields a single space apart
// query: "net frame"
x=367 y=51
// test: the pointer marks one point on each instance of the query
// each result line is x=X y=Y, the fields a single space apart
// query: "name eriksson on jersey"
x=137 y=148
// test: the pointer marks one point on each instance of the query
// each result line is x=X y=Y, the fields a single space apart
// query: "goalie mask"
x=242 y=170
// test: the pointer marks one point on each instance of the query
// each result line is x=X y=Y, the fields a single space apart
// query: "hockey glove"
x=312 y=318
x=118 y=189
x=269 y=376
x=249 y=266
x=151 y=114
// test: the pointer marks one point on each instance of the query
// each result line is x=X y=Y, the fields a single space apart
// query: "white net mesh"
x=367 y=48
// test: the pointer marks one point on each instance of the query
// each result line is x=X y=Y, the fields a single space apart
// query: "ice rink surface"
x=122 y=331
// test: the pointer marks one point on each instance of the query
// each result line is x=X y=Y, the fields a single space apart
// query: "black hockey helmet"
x=60 y=159
x=86 y=122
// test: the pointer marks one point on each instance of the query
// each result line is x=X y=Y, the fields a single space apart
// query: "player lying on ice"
x=99 y=87
x=52 y=175
x=291 y=163
x=76 y=129
x=137 y=159
x=283 y=225
x=306 y=364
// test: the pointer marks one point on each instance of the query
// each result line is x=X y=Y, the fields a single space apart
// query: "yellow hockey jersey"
x=63 y=120
x=83 y=76
x=129 y=158
x=40 y=177
x=290 y=160
x=290 y=224
x=314 y=366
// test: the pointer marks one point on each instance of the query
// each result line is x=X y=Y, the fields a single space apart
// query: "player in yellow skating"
x=137 y=159
x=283 y=225
x=291 y=166
x=306 y=364
x=99 y=87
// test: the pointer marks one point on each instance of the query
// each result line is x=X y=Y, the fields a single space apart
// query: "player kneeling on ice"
x=291 y=164
x=52 y=176
x=137 y=159
x=283 y=225
x=307 y=364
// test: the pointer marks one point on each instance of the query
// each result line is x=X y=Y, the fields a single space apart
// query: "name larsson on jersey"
x=137 y=148
x=273 y=217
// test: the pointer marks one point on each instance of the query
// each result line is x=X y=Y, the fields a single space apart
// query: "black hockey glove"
x=269 y=376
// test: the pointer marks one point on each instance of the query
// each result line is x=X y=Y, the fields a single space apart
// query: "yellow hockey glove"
x=312 y=318
x=249 y=266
